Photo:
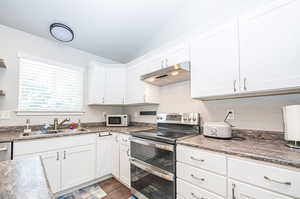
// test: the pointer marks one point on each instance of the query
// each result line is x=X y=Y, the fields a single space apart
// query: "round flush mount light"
x=61 y=32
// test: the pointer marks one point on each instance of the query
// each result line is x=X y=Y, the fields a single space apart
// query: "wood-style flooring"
x=114 y=189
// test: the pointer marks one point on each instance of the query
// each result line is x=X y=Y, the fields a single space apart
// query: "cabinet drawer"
x=202 y=159
x=204 y=179
x=240 y=190
x=190 y=191
x=270 y=177
x=49 y=144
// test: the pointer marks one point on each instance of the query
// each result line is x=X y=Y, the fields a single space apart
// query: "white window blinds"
x=47 y=87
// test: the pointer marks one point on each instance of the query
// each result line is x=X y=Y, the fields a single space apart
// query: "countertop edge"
x=246 y=155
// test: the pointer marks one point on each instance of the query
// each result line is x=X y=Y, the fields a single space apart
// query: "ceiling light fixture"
x=61 y=32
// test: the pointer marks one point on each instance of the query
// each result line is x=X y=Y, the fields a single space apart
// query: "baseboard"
x=66 y=191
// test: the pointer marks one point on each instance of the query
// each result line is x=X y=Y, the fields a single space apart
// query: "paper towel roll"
x=291 y=116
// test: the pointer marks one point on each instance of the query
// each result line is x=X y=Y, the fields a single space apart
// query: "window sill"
x=48 y=113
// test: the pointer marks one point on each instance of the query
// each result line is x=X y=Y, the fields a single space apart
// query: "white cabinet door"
x=215 y=63
x=269 y=46
x=78 y=165
x=239 y=190
x=52 y=162
x=139 y=92
x=116 y=156
x=104 y=164
x=178 y=54
x=96 y=83
x=125 y=164
x=115 y=84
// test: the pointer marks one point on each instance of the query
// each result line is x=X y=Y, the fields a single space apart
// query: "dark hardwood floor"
x=114 y=189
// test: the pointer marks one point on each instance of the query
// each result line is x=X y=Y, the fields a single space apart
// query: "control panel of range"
x=179 y=118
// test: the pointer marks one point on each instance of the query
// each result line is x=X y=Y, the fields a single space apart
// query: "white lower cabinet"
x=190 y=191
x=78 y=166
x=116 y=156
x=120 y=156
x=238 y=190
x=241 y=179
x=68 y=161
x=104 y=156
x=125 y=164
x=51 y=161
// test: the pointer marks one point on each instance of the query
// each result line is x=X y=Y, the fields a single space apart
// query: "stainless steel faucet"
x=57 y=126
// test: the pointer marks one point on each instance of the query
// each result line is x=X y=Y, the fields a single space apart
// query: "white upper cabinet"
x=115 y=86
x=177 y=54
x=269 y=48
x=215 y=63
x=96 y=83
x=106 y=84
x=139 y=92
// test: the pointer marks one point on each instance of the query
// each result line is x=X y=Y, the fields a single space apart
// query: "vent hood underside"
x=172 y=74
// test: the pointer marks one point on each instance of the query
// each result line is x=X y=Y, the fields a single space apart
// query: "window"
x=45 y=87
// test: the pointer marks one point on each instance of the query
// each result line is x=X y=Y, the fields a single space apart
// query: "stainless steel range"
x=153 y=155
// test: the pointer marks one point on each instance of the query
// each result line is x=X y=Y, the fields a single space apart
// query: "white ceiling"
x=115 y=29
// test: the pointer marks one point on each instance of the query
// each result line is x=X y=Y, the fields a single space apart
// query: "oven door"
x=158 y=154
x=148 y=182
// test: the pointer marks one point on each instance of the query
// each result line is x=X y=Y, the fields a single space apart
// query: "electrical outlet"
x=136 y=114
x=231 y=114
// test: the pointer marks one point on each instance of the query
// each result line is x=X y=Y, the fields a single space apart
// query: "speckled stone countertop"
x=267 y=150
x=17 y=136
x=24 y=178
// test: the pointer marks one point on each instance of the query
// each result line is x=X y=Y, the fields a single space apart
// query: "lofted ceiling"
x=114 y=29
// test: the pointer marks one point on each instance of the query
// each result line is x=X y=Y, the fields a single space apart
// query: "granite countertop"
x=24 y=178
x=273 y=151
x=16 y=136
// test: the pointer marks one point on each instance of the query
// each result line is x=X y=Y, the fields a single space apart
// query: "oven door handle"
x=163 y=146
x=153 y=170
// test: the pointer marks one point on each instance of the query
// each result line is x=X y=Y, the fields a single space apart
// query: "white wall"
x=12 y=42
x=260 y=113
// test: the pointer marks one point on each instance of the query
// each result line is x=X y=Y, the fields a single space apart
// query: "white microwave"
x=117 y=120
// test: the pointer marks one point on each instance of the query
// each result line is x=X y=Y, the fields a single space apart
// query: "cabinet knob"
x=234 y=85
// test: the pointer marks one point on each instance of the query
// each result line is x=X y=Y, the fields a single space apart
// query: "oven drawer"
x=204 y=179
x=202 y=159
x=276 y=179
x=147 y=182
x=190 y=191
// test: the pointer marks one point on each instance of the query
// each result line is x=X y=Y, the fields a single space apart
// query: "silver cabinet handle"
x=162 y=63
x=57 y=155
x=128 y=154
x=102 y=100
x=65 y=156
x=200 y=160
x=278 y=182
x=166 y=64
x=234 y=85
x=195 y=196
x=233 y=191
x=3 y=149
x=195 y=177
x=245 y=83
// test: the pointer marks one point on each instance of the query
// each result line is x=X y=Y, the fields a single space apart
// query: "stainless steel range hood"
x=171 y=74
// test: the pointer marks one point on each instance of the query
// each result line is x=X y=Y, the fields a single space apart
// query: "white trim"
x=28 y=57
x=48 y=113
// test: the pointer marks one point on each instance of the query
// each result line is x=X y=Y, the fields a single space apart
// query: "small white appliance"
x=291 y=118
x=117 y=120
x=221 y=130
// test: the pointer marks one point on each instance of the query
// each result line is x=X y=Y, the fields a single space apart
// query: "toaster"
x=221 y=130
